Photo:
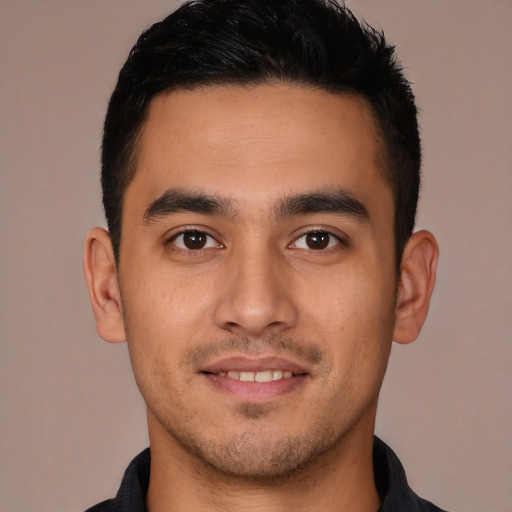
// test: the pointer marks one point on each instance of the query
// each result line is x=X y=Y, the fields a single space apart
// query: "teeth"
x=264 y=376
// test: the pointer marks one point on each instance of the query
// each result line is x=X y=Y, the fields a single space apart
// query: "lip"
x=254 y=391
x=247 y=364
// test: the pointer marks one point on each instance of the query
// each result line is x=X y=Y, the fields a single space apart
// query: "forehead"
x=256 y=143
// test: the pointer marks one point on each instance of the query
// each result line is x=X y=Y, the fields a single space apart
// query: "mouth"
x=261 y=376
x=255 y=379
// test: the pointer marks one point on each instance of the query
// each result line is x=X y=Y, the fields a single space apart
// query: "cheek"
x=354 y=318
x=349 y=298
x=165 y=304
x=163 y=315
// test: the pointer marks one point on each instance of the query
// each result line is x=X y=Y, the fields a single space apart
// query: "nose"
x=256 y=296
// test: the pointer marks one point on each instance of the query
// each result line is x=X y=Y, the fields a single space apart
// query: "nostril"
x=252 y=314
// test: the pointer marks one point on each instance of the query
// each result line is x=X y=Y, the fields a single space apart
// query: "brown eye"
x=318 y=240
x=194 y=240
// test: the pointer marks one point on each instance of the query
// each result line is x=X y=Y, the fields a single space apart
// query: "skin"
x=259 y=289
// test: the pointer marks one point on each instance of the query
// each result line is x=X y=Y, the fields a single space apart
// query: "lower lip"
x=255 y=391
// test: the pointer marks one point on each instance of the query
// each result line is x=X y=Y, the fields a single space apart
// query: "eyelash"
x=321 y=232
x=209 y=239
x=191 y=232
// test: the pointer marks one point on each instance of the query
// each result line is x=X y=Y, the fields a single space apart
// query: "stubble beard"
x=257 y=454
x=253 y=456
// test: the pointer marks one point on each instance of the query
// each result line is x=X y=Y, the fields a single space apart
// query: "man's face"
x=257 y=274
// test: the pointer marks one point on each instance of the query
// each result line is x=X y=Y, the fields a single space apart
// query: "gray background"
x=71 y=417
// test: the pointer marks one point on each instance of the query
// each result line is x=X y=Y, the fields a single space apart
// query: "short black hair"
x=316 y=43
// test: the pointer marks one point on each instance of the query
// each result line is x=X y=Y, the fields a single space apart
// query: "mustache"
x=310 y=352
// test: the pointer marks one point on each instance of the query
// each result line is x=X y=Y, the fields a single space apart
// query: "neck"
x=338 y=480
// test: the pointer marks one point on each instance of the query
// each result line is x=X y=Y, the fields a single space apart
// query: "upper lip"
x=248 y=364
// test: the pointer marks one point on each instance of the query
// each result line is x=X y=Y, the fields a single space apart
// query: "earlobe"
x=416 y=284
x=101 y=277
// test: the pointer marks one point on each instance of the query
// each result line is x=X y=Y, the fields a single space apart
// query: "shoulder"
x=427 y=506
x=131 y=495
x=104 y=506
x=392 y=485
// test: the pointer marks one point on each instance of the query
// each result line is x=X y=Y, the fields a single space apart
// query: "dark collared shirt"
x=390 y=480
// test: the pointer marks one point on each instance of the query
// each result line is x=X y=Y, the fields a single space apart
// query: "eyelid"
x=340 y=237
x=183 y=230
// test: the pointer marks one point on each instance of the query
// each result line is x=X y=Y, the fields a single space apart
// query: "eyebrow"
x=339 y=201
x=176 y=200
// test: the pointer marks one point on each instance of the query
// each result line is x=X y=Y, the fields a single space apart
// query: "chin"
x=258 y=455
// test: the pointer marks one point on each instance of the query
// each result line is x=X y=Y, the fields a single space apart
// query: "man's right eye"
x=194 y=240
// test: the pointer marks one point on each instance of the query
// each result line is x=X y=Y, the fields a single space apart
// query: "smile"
x=255 y=379
x=260 y=376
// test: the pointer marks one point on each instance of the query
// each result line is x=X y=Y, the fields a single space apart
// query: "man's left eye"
x=316 y=241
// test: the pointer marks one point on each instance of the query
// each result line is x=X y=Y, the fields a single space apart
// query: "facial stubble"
x=252 y=456
x=255 y=454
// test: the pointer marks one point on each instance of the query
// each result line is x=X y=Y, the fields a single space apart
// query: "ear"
x=101 y=277
x=416 y=284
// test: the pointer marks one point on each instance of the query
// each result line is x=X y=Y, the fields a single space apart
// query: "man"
x=260 y=179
